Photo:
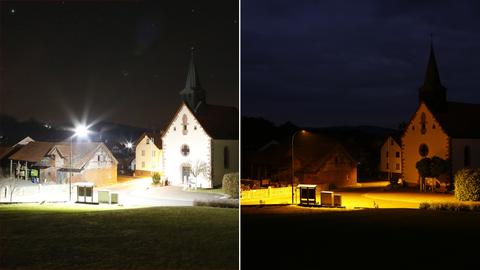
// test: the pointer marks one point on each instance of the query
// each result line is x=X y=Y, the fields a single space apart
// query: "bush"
x=450 y=206
x=156 y=178
x=467 y=185
x=217 y=203
x=230 y=184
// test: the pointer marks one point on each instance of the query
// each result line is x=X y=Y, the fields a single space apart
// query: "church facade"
x=200 y=144
x=440 y=128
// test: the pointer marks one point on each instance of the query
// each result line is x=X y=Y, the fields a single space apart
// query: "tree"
x=424 y=169
x=197 y=168
x=431 y=167
x=10 y=186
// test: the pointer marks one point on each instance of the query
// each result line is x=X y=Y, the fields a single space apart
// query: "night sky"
x=120 y=61
x=330 y=63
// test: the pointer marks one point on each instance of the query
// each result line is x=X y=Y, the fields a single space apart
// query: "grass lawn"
x=84 y=237
x=304 y=238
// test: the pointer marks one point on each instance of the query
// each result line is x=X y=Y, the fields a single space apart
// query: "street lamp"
x=293 y=166
x=129 y=145
x=82 y=132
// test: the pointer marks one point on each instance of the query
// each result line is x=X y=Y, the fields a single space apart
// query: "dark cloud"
x=353 y=62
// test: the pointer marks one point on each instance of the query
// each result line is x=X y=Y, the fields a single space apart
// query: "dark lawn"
x=279 y=238
x=150 y=238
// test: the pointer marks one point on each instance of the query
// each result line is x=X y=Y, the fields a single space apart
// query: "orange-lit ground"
x=370 y=195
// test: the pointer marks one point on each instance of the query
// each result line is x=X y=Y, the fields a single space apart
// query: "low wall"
x=266 y=193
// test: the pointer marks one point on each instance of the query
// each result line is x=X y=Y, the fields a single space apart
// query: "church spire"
x=432 y=91
x=193 y=93
x=193 y=81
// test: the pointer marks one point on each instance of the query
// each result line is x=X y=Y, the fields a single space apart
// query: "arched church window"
x=423 y=150
x=423 y=124
x=184 y=124
x=226 y=157
x=466 y=156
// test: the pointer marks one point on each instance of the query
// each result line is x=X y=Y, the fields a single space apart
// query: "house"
x=200 y=143
x=391 y=157
x=6 y=151
x=318 y=159
x=148 y=154
x=440 y=128
x=51 y=162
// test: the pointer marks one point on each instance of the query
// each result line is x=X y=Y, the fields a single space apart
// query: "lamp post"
x=293 y=165
x=79 y=131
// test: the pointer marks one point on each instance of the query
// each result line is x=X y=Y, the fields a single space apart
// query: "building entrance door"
x=185 y=175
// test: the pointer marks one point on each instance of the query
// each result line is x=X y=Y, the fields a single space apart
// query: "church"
x=200 y=143
x=440 y=128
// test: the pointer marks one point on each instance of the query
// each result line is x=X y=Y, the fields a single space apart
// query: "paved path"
x=371 y=196
x=141 y=192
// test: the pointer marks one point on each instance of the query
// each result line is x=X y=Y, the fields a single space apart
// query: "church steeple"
x=432 y=92
x=193 y=93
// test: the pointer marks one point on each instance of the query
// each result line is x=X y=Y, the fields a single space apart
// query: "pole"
x=293 y=166
x=70 y=178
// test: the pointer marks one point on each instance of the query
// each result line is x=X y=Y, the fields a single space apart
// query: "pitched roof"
x=220 y=122
x=82 y=152
x=156 y=136
x=458 y=120
x=33 y=151
x=310 y=149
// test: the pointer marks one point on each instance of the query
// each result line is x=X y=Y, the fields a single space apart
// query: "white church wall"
x=219 y=168
x=458 y=153
x=199 y=145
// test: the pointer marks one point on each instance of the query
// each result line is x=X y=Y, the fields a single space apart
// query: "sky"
x=334 y=63
x=120 y=61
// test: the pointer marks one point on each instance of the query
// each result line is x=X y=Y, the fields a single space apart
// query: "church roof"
x=220 y=122
x=432 y=77
x=193 y=80
x=458 y=120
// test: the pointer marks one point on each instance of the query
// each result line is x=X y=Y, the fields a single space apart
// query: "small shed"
x=84 y=190
x=308 y=194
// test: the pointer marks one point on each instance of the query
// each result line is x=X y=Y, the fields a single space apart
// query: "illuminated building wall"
x=184 y=143
x=423 y=137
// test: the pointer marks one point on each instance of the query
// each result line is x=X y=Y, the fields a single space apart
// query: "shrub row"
x=217 y=203
x=450 y=206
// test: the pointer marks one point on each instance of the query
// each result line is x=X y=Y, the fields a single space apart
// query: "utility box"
x=337 y=200
x=103 y=196
x=308 y=194
x=326 y=198
x=114 y=198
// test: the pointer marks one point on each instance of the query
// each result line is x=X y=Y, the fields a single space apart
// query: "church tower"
x=193 y=94
x=432 y=91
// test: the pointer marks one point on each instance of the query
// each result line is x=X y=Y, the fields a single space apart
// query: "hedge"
x=230 y=184
x=467 y=185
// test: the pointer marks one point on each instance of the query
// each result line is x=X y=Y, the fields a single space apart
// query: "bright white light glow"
x=81 y=131
x=129 y=145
